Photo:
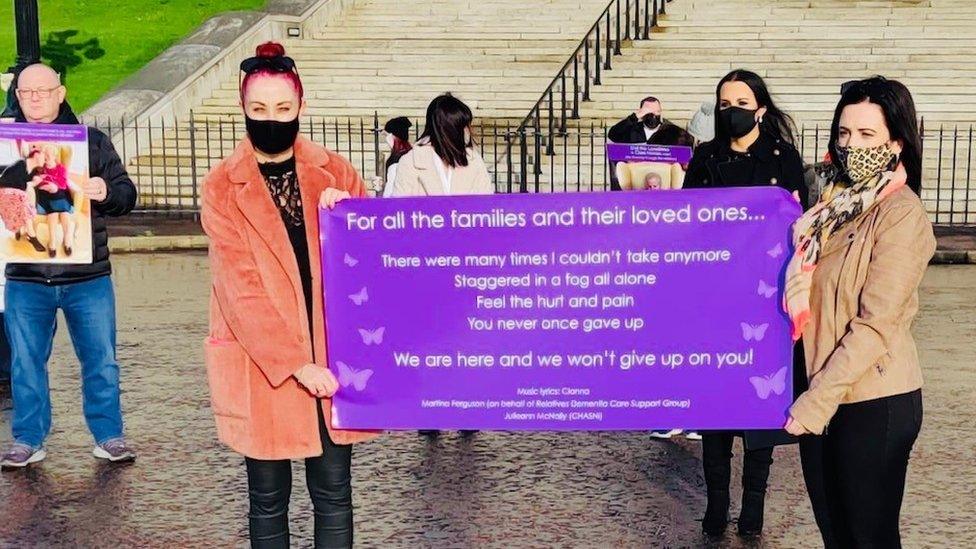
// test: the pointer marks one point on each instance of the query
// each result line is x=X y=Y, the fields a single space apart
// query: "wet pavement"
x=495 y=490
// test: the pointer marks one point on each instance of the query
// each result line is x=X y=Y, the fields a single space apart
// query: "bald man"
x=84 y=293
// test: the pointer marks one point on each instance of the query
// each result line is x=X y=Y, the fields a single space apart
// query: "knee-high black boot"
x=717 y=467
x=755 y=474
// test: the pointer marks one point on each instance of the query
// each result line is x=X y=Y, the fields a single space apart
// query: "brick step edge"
x=143 y=244
x=954 y=257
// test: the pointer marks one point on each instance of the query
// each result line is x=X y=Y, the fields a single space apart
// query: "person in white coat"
x=444 y=160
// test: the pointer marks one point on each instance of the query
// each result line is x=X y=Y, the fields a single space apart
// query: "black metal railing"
x=168 y=158
x=561 y=99
x=948 y=173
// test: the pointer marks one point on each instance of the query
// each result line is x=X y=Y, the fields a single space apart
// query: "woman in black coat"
x=753 y=143
x=752 y=147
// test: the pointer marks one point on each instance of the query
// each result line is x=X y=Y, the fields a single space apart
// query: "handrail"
x=604 y=48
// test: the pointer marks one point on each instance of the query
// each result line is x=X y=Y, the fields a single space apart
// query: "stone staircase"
x=389 y=58
x=384 y=58
x=805 y=49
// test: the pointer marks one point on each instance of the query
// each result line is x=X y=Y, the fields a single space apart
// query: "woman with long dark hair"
x=852 y=293
x=752 y=147
x=270 y=388
x=753 y=144
x=444 y=160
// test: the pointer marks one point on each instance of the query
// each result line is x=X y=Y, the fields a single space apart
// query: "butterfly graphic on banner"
x=360 y=297
x=776 y=251
x=768 y=385
x=766 y=290
x=372 y=337
x=351 y=376
x=754 y=333
x=350 y=261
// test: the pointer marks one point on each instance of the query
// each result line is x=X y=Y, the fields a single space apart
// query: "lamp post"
x=28 y=48
x=28 y=34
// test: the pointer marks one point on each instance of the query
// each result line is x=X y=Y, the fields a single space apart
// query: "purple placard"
x=43 y=207
x=669 y=154
x=593 y=311
x=43 y=132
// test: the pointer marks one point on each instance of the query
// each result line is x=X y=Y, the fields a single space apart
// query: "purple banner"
x=669 y=154
x=595 y=311
x=44 y=132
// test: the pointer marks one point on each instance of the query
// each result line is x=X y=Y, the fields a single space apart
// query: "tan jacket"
x=417 y=176
x=864 y=297
x=259 y=325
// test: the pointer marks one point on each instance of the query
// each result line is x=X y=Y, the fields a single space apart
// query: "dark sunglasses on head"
x=275 y=64
x=867 y=85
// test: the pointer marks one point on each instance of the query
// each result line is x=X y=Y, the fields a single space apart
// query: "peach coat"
x=259 y=326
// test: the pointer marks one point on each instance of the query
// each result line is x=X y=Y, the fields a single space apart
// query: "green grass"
x=131 y=32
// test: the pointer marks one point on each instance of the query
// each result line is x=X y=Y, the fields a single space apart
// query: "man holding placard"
x=84 y=293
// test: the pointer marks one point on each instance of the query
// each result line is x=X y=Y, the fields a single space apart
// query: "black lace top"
x=282 y=182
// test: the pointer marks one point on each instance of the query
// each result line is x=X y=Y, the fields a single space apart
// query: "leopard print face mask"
x=864 y=162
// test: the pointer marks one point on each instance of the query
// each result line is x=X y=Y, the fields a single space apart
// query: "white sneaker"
x=665 y=434
x=20 y=456
x=692 y=435
x=114 y=450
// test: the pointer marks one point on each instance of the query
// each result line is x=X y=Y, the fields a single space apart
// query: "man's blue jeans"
x=31 y=321
x=4 y=354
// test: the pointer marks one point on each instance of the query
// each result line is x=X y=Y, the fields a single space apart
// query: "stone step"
x=381 y=58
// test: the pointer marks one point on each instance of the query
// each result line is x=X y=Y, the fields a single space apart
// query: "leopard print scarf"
x=868 y=179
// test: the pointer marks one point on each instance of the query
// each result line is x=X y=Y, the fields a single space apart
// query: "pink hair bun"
x=270 y=49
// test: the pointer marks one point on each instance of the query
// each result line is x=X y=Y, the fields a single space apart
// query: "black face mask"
x=270 y=136
x=652 y=121
x=736 y=121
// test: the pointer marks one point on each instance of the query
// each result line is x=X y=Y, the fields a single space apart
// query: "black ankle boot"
x=36 y=244
x=751 y=518
x=717 y=513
